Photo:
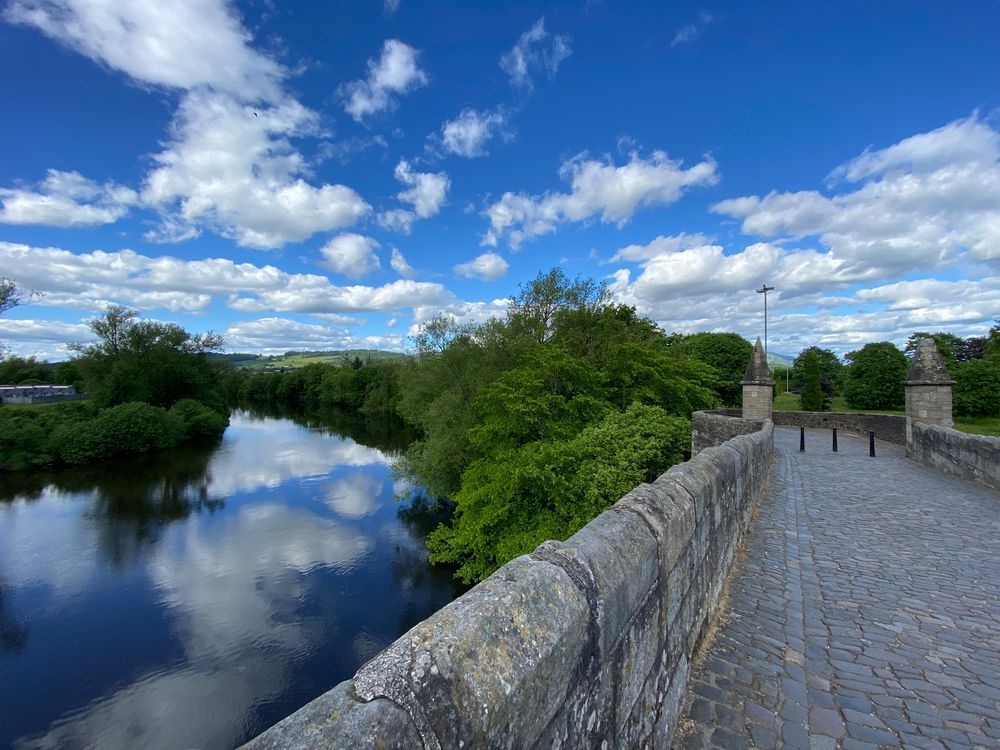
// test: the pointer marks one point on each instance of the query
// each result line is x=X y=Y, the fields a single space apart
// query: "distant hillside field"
x=301 y=359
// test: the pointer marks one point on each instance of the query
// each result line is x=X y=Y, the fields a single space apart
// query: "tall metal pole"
x=764 y=289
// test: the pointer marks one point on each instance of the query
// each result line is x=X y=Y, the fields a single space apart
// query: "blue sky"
x=323 y=175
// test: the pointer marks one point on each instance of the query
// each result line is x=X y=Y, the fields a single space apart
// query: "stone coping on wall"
x=585 y=643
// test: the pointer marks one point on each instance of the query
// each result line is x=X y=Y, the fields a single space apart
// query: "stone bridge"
x=861 y=610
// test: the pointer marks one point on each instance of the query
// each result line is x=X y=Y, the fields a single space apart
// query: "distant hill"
x=783 y=360
x=301 y=359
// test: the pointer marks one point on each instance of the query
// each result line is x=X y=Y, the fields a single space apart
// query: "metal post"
x=802 y=439
x=764 y=289
x=871 y=443
x=834 y=439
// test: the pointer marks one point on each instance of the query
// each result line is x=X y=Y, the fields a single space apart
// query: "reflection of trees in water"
x=430 y=586
x=385 y=432
x=13 y=635
x=133 y=499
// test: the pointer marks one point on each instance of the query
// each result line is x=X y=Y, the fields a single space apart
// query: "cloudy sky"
x=318 y=175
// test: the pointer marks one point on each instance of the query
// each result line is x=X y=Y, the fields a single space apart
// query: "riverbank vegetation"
x=151 y=386
x=531 y=424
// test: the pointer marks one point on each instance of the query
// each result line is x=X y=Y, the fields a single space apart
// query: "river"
x=190 y=599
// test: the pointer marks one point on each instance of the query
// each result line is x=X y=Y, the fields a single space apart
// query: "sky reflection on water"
x=167 y=609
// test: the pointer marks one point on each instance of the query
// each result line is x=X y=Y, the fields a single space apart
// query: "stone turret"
x=928 y=386
x=758 y=386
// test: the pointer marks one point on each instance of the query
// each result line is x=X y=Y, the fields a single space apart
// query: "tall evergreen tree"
x=812 y=390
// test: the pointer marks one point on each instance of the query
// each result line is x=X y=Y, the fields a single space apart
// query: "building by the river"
x=38 y=394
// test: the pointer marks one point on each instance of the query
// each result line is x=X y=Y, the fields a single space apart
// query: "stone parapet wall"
x=585 y=643
x=973 y=457
x=888 y=427
x=716 y=426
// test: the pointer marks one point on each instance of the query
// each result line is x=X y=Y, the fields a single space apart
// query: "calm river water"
x=193 y=598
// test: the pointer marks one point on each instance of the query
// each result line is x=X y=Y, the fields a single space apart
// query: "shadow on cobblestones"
x=865 y=612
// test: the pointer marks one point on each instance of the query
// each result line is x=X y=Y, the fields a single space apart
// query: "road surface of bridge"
x=864 y=614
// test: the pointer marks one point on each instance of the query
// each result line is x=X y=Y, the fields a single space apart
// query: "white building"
x=38 y=394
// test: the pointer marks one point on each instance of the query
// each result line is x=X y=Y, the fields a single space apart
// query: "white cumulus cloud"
x=180 y=44
x=486 y=267
x=231 y=166
x=925 y=200
x=352 y=255
x=66 y=199
x=471 y=131
x=400 y=265
x=426 y=193
x=598 y=188
x=395 y=73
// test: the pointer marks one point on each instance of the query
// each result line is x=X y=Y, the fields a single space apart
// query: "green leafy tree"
x=977 y=388
x=812 y=398
x=149 y=362
x=519 y=497
x=11 y=295
x=17 y=370
x=533 y=311
x=728 y=354
x=993 y=341
x=831 y=370
x=875 y=376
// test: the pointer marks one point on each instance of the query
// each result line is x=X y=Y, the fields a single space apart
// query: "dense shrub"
x=197 y=419
x=23 y=444
x=127 y=428
x=518 y=497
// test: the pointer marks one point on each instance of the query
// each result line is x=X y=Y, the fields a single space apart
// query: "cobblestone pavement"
x=865 y=613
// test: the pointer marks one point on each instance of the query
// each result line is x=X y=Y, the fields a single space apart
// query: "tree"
x=993 y=341
x=534 y=309
x=813 y=398
x=148 y=361
x=974 y=347
x=11 y=295
x=728 y=354
x=831 y=370
x=875 y=376
x=977 y=388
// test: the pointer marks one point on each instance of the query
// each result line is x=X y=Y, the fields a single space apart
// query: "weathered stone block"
x=668 y=510
x=492 y=668
x=336 y=719
x=635 y=656
x=619 y=554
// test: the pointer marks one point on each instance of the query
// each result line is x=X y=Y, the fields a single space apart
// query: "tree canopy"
x=831 y=370
x=727 y=354
x=875 y=376
x=148 y=361
x=535 y=423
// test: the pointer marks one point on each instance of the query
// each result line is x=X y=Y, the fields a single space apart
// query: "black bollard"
x=834 y=439
x=802 y=439
x=871 y=443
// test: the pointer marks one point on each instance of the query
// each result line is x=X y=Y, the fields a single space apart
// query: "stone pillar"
x=758 y=386
x=928 y=387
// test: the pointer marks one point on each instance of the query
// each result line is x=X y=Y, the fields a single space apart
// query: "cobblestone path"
x=865 y=613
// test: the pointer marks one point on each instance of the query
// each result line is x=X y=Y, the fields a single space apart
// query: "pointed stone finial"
x=928 y=387
x=758 y=373
x=758 y=386
x=928 y=367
